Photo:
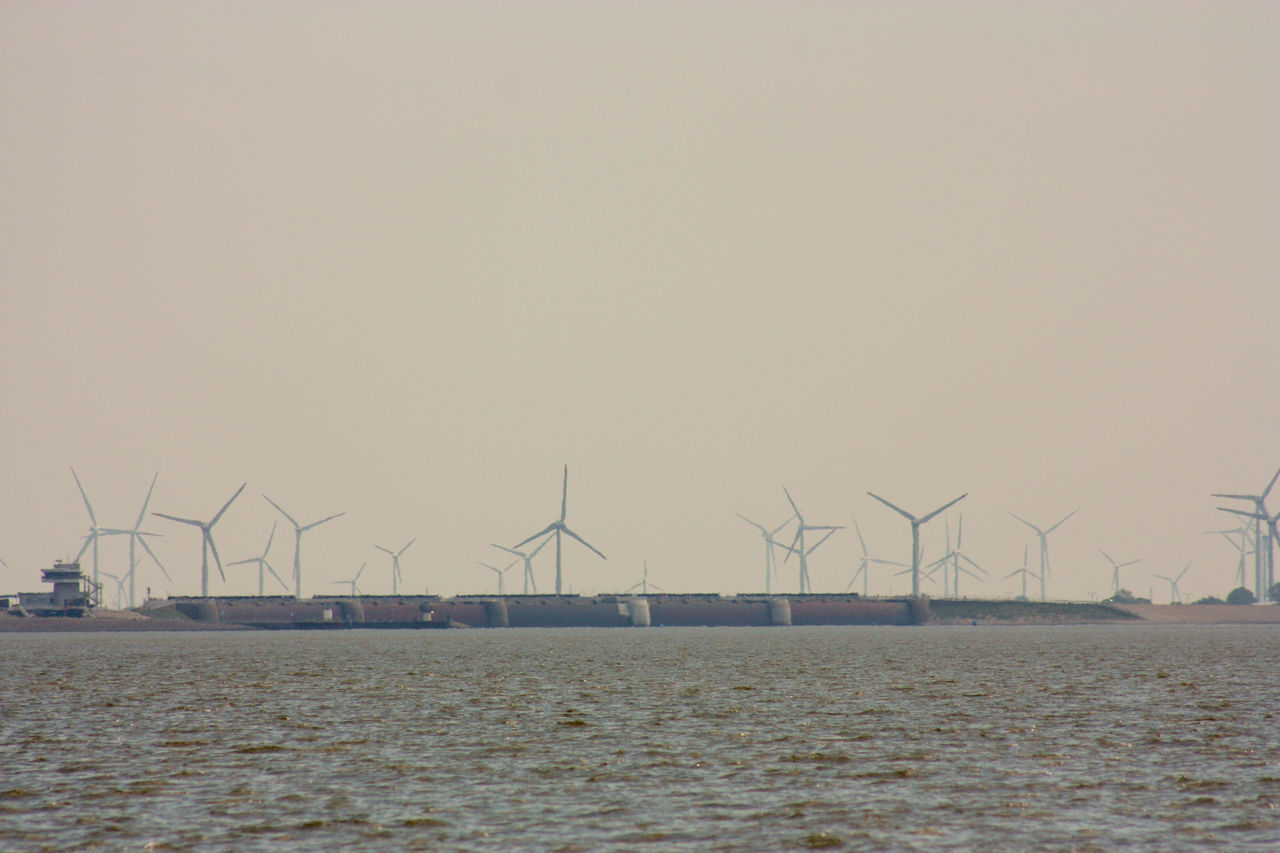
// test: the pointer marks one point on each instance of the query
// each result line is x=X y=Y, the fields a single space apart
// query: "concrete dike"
x=619 y=611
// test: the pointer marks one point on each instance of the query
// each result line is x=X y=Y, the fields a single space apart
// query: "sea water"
x=933 y=738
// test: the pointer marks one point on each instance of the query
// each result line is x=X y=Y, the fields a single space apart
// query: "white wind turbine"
x=206 y=528
x=298 y=530
x=1264 y=542
x=557 y=527
x=864 y=563
x=1044 y=548
x=951 y=560
x=1175 y=596
x=355 y=590
x=1116 y=567
x=915 y=534
x=529 y=583
x=119 y=588
x=501 y=573
x=1022 y=571
x=263 y=564
x=803 y=551
x=644 y=584
x=1267 y=577
x=136 y=535
x=770 y=558
x=95 y=532
x=395 y=564
x=1244 y=532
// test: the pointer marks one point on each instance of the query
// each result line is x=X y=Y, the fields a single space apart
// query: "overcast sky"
x=407 y=260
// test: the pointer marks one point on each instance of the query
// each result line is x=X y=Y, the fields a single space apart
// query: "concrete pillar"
x=638 y=612
x=495 y=613
x=779 y=611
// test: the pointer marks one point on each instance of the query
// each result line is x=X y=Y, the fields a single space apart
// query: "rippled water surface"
x=1083 y=738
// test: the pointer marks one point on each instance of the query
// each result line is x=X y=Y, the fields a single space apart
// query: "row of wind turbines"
x=807 y=538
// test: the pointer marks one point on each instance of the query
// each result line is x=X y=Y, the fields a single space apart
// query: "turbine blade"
x=282 y=512
x=541 y=545
x=147 y=548
x=564 y=495
x=943 y=507
x=323 y=520
x=87 y=505
x=385 y=550
x=899 y=510
x=270 y=538
x=759 y=527
x=359 y=573
x=183 y=520
x=214 y=548
x=861 y=541
x=544 y=531
x=794 y=508
x=147 y=501
x=1270 y=485
x=227 y=504
x=276 y=576
x=508 y=550
x=406 y=547
x=1060 y=523
x=583 y=541
x=1027 y=523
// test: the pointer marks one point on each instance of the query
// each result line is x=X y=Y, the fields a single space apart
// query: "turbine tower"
x=527 y=556
x=1022 y=571
x=915 y=534
x=263 y=564
x=1263 y=555
x=501 y=573
x=557 y=528
x=206 y=531
x=298 y=530
x=395 y=564
x=1044 y=548
x=1175 y=596
x=355 y=590
x=770 y=559
x=802 y=551
x=136 y=535
x=864 y=563
x=1116 y=567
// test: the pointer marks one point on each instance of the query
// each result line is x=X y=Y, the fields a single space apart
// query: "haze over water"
x=1082 y=738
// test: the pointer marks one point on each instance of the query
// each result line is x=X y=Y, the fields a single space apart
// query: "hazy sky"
x=407 y=260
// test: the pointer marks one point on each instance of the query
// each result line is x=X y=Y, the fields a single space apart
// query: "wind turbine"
x=395 y=564
x=1175 y=596
x=1242 y=546
x=500 y=572
x=557 y=527
x=952 y=559
x=1022 y=571
x=770 y=559
x=94 y=530
x=527 y=556
x=1044 y=547
x=915 y=534
x=644 y=582
x=298 y=530
x=1263 y=559
x=355 y=590
x=136 y=535
x=263 y=564
x=119 y=587
x=803 y=552
x=1267 y=578
x=1115 y=577
x=206 y=528
x=864 y=563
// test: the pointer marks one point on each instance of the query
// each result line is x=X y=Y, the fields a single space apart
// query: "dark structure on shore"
x=548 y=611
